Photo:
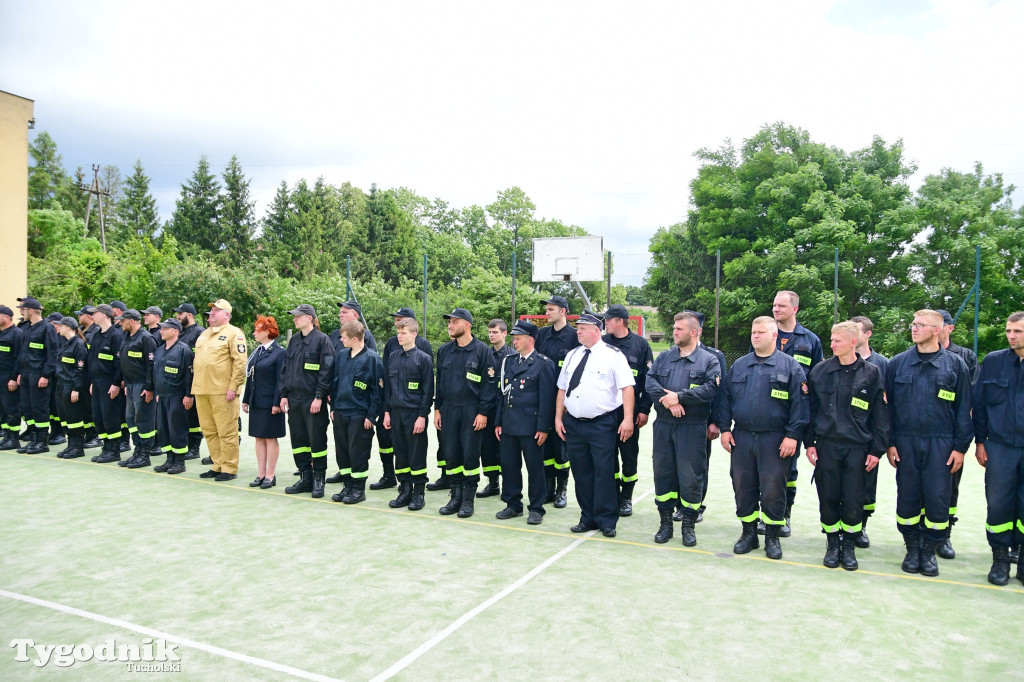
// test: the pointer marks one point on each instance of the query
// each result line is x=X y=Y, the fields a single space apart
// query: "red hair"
x=269 y=325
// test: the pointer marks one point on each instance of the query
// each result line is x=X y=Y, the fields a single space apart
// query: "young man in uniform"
x=105 y=374
x=554 y=341
x=172 y=384
x=151 y=317
x=490 y=447
x=89 y=329
x=37 y=364
x=869 y=354
x=56 y=436
x=190 y=333
x=137 y=355
x=10 y=400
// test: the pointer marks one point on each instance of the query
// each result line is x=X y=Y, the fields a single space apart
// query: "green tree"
x=511 y=212
x=136 y=215
x=237 y=214
x=47 y=179
x=392 y=236
x=196 y=220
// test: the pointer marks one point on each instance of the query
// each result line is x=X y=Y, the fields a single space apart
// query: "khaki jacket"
x=220 y=359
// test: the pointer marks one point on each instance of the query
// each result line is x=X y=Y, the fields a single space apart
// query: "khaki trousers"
x=219 y=421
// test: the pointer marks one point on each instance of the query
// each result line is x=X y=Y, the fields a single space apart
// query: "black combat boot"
x=785 y=531
x=912 y=561
x=929 y=566
x=492 y=488
x=38 y=445
x=831 y=559
x=56 y=437
x=849 y=553
x=560 y=493
x=356 y=493
x=304 y=484
x=772 y=547
x=109 y=453
x=91 y=441
x=386 y=481
x=339 y=496
x=338 y=478
x=168 y=463
x=688 y=531
x=626 y=498
x=29 y=439
x=176 y=463
x=141 y=459
x=861 y=540
x=125 y=443
x=404 y=495
x=945 y=549
x=549 y=494
x=665 y=530
x=454 y=501
x=126 y=462
x=319 y=478
x=468 y=497
x=75 y=449
x=417 y=501
x=192 y=452
x=10 y=442
x=748 y=539
x=443 y=483
x=999 y=574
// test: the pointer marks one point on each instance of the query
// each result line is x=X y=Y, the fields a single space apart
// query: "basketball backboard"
x=561 y=259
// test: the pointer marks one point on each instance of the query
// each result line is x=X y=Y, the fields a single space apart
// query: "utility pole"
x=94 y=189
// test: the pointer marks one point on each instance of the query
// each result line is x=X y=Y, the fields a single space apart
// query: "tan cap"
x=222 y=304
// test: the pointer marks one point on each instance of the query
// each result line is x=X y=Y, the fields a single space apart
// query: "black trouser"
x=791 y=478
x=759 y=476
x=35 y=403
x=73 y=415
x=10 y=406
x=923 y=482
x=839 y=477
x=680 y=465
x=385 y=447
x=629 y=454
x=106 y=411
x=195 y=432
x=461 y=442
x=1004 y=493
x=55 y=419
x=590 y=444
x=704 y=488
x=515 y=449
x=410 y=448
x=870 y=491
x=308 y=433
x=556 y=458
x=490 y=453
x=954 y=496
x=122 y=406
x=172 y=425
x=352 y=444
x=141 y=417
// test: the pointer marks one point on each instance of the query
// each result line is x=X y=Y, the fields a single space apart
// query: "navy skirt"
x=263 y=424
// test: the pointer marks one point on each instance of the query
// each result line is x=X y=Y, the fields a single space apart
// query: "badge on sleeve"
x=151 y=356
x=380 y=382
x=81 y=364
x=803 y=387
x=241 y=348
x=885 y=398
x=490 y=372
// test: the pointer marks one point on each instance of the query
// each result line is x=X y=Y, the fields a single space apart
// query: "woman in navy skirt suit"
x=260 y=400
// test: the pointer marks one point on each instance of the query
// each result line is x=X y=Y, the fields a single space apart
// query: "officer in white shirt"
x=594 y=407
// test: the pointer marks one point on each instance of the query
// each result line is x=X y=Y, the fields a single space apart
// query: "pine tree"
x=238 y=214
x=136 y=214
x=196 y=219
x=46 y=176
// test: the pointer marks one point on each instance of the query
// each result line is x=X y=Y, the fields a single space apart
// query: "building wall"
x=15 y=113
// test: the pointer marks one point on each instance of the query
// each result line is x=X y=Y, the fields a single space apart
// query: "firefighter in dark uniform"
x=357 y=400
x=713 y=433
x=304 y=386
x=465 y=394
x=137 y=355
x=999 y=434
x=946 y=550
x=105 y=373
x=684 y=381
x=10 y=398
x=37 y=364
x=930 y=430
x=408 y=394
x=56 y=436
x=640 y=357
x=804 y=346
x=847 y=435
x=490 y=447
x=762 y=414
x=172 y=383
x=385 y=447
x=124 y=444
x=554 y=341
x=72 y=386
x=524 y=419
x=869 y=354
x=347 y=311
x=89 y=329
x=151 y=317
x=190 y=332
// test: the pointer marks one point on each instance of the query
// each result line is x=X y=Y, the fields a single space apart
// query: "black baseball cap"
x=68 y=322
x=130 y=314
x=55 y=317
x=86 y=310
x=153 y=310
x=29 y=302
x=304 y=309
x=525 y=327
x=105 y=309
x=351 y=305
x=557 y=300
x=946 y=317
x=616 y=311
x=4 y=310
x=119 y=305
x=404 y=312
x=459 y=314
x=186 y=308
x=171 y=323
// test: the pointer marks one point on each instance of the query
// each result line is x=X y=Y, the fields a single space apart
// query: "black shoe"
x=848 y=554
x=404 y=495
x=176 y=464
x=9 y=443
x=417 y=501
x=138 y=462
x=945 y=550
x=74 y=450
x=454 y=501
x=209 y=474
x=224 y=476
x=929 y=566
x=108 y=456
x=193 y=453
x=625 y=505
x=38 y=447
x=336 y=478
x=340 y=495
x=56 y=439
x=549 y=493
x=256 y=482
x=785 y=531
x=124 y=446
x=608 y=532
x=560 y=493
x=207 y=461
x=862 y=540
x=468 y=498
x=678 y=514
x=912 y=561
x=831 y=559
x=355 y=496
x=582 y=528
x=688 y=532
x=772 y=547
x=509 y=513
x=92 y=443
x=999 y=574
x=319 y=477
x=303 y=485
x=491 y=489
x=535 y=518
x=665 y=530
x=442 y=483
x=748 y=539
x=124 y=462
x=384 y=482
x=161 y=468
x=22 y=449
x=268 y=483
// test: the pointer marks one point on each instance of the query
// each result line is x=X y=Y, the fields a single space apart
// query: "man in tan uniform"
x=218 y=374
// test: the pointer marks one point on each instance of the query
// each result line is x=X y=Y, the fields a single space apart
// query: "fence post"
x=718 y=290
x=424 y=295
x=977 y=294
x=835 y=290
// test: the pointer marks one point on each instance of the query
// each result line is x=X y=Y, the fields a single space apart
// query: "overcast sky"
x=593 y=108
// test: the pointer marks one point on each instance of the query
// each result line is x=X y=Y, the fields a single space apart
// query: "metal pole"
x=348 y=277
x=977 y=293
x=513 y=287
x=835 y=291
x=424 y=295
x=718 y=290
x=608 y=296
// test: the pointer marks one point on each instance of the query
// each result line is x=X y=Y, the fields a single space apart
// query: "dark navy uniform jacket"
x=358 y=388
x=848 y=406
x=410 y=381
x=368 y=341
x=556 y=345
x=137 y=354
x=969 y=358
x=392 y=346
x=190 y=333
x=308 y=369
x=71 y=369
x=10 y=349
x=695 y=378
x=498 y=356
x=930 y=398
x=262 y=371
x=172 y=370
x=764 y=396
x=804 y=346
x=526 y=400
x=999 y=399
x=39 y=346
x=640 y=358
x=104 y=356
x=466 y=376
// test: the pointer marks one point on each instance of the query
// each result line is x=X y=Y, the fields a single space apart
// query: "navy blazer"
x=261 y=374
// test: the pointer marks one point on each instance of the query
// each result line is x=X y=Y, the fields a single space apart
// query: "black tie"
x=578 y=373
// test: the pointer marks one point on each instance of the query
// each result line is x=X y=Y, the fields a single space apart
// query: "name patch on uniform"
x=636 y=372
x=561 y=362
x=105 y=356
x=360 y=385
x=68 y=360
x=473 y=377
x=857 y=402
x=413 y=385
x=781 y=395
x=947 y=395
x=135 y=353
x=694 y=385
x=311 y=366
x=5 y=349
x=222 y=338
x=37 y=346
x=802 y=359
x=171 y=370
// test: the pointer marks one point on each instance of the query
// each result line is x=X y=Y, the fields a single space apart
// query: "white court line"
x=409 y=658
x=156 y=634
